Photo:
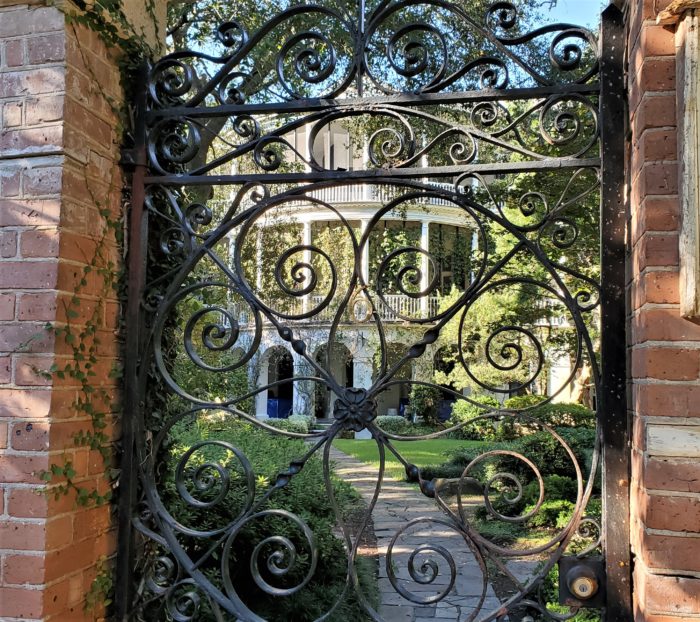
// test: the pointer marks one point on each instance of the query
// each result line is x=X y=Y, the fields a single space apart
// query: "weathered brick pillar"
x=59 y=151
x=665 y=347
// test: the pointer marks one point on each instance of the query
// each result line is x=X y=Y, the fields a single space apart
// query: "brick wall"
x=58 y=159
x=665 y=349
x=58 y=153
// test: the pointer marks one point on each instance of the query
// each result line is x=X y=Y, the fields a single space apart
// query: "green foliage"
x=393 y=424
x=335 y=240
x=549 y=454
x=445 y=471
x=80 y=335
x=550 y=595
x=101 y=588
x=552 y=414
x=305 y=495
x=463 y=456
x=520 y=402
x=423 y=403
x=209 y=386
x=421 y=453
x=555 y=487
x=492 y=428
x=551 y=514
x=108 y=20
x=419 y=429
x=388 y=240
x=301 y=424
x=565 y=415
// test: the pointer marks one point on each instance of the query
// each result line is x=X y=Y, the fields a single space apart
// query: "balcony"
x=366 y=193
x=398 y=305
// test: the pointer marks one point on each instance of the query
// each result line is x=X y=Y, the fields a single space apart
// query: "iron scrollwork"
x=459 y=115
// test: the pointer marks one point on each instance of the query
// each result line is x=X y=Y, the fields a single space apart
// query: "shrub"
x=555 y=487
x=551 y=514
x=549 y=455
x=423 y=404
x=418 y=429
x=464 y=455
x=566 y=415
x=301 y=424
x=304 y=495
x=480 y=430
x=445 y=471
x=393 y=424
x=555 y=415
x=206 y=385
x=520 y=402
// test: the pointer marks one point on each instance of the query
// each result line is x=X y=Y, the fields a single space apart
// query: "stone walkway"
x=398 y=504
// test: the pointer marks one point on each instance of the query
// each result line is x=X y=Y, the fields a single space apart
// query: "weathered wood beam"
x=689 y=171
x=673 y=13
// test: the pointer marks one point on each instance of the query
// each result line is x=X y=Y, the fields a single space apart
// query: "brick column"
x=59 y=152
x=665 y=348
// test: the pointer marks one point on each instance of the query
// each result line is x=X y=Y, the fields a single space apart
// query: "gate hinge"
x=131 y=158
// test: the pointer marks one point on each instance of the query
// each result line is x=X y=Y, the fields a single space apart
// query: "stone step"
x=321 y=425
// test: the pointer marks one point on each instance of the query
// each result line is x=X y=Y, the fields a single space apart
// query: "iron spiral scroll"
x=446 y=126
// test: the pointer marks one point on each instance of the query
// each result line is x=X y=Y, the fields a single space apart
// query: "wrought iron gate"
x=465 y=121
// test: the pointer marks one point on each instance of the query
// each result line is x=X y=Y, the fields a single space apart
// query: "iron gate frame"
x=613 y=418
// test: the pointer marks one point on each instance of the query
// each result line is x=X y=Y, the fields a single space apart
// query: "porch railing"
x=367 y=193
x=397 y=305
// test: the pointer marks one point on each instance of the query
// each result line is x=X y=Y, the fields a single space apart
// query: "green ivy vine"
x=81 y=335
x=83 y=343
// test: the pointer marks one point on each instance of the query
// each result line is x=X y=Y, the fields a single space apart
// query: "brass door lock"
x=582 y=582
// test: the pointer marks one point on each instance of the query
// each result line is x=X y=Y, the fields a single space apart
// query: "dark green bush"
x=445 y=471
x=207 y=385
x=549 y=455
x=419 y=429
x=523 y=401
x=393 y=424
x=555 y=415
x=486 y=429
x=423 y=403
x=565 y=415
x=551 y=514
x=555 y=487
x=464 y=455
x=305 y=496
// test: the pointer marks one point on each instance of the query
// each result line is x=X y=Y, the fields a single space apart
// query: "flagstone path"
x=399 y=504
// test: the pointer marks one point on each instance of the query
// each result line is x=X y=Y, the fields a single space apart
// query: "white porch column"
x=362 y=378
x=261 y=398
x=425 y=267
x=306 y=240
x=364 y=261
x=305 y=150
x=301 y=401
x=362 y=372
x=258 y=260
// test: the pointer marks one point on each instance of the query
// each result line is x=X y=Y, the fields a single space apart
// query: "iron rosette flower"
x=355 y=409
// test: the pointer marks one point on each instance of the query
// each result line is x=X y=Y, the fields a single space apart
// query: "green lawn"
x=420 y=453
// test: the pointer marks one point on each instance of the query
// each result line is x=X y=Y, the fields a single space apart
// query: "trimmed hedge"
x=301 y=424
x=393 y=424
